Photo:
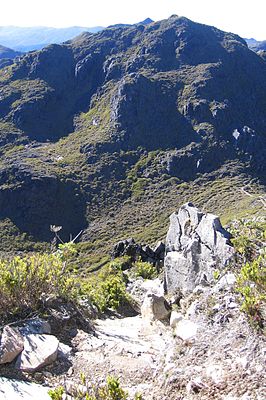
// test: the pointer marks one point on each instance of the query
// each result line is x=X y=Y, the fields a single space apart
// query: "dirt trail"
x=128 y=348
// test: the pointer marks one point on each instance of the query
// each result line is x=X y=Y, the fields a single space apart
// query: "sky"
x=244 y=17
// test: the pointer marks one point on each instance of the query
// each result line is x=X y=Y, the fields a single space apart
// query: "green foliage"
x=107 y=289
x=145 y=269
x=23 y=280
x=216 y=274
x=110 y=391
x=249 y=241
x=251 y=283
x=57 y=393
x=248 y=236
x=66 y=251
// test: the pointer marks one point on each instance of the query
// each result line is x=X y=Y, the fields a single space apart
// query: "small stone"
x=215 y=372
x=195 y=385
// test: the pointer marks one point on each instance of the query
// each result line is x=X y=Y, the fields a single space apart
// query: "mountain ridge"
x=111 y=122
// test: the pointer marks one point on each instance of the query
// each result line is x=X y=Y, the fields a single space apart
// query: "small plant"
x=250 y=267
x=110 y=391
x=145 y=270
x=57 y=393
x=216 y=274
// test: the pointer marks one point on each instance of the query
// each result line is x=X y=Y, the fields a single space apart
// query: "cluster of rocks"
x=30 y=345
x=135 y=251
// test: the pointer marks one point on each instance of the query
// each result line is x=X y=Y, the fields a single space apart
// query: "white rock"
x=186 y=329
x=39 y=350
x=215 y=372
x=193 y=309
x=175 y=318
x=225 y=282
x=243 y=361
x=11 y=344
x=18 y=390
x=196 y=243
x=154 y=286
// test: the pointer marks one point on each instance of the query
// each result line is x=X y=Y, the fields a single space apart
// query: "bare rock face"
x=39 y=350
x=196 y=245
x=11 y=344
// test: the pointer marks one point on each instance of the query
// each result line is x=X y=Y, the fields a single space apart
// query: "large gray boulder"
x=196 y=245
x=39 y=351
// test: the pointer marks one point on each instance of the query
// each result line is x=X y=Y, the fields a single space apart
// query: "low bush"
x=23 y=280
x=249 y=238
x=251 y=283
x=107 y=289
x=145 y=270
x=110 y=391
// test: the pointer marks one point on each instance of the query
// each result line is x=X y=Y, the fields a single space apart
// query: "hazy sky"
x=244 y=17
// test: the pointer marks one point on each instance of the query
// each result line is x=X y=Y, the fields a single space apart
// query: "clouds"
x=244 y=18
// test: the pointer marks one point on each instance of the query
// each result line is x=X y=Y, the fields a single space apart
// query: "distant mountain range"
x=256 y=45
x=35 y=38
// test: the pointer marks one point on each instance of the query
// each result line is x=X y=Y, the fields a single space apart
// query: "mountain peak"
x=146 y=21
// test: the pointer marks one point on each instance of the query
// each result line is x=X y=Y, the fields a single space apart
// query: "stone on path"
x=39 y=351
x=155 y=308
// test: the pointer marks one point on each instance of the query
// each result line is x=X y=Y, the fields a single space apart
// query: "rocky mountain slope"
x=110 y=132
x=5 y=52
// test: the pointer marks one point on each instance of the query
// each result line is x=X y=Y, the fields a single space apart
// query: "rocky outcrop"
x=196 y=245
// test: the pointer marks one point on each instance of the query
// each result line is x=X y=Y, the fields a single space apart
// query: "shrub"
x=251 y=283
x=145 y=269
x=107 y=289
x=110 y=391
x=23 y=280
x=249 y=242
